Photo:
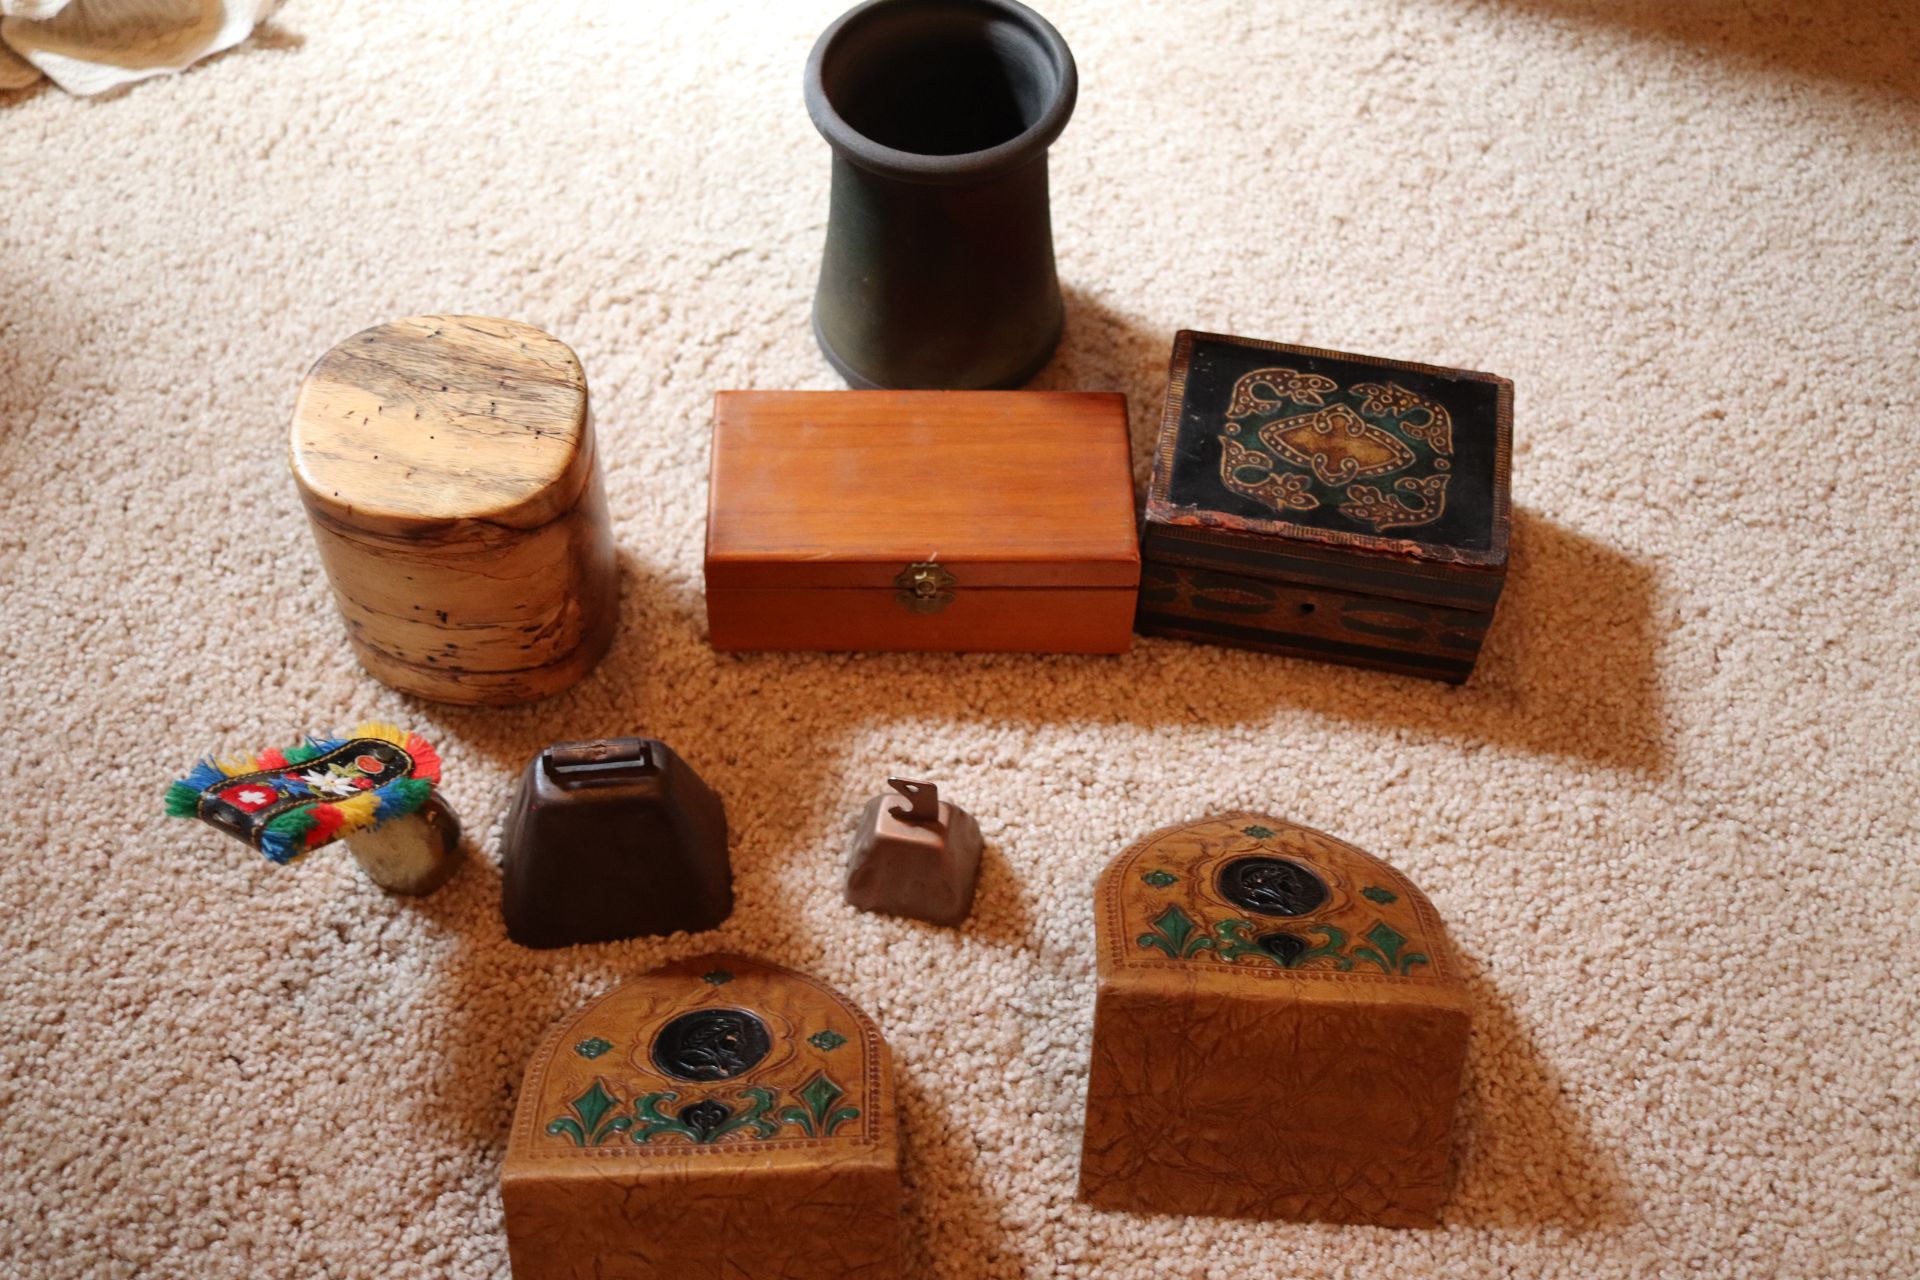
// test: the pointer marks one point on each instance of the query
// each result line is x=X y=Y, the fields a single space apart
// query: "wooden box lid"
x=844 y=488
x=432 y=419
x=1297 y=463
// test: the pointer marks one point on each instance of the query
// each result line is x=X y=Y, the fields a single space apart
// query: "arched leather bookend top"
x=1280 y=1030
x=716 y=1090
x=1254 y=896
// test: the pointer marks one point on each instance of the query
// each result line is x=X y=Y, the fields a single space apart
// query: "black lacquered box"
x=1327 y=505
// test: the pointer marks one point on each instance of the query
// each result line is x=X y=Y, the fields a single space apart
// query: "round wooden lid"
x=439 y=418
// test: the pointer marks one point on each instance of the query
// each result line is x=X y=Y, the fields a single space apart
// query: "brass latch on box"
x=924 y=587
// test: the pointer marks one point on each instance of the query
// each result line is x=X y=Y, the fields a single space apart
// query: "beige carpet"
x=1671 y=821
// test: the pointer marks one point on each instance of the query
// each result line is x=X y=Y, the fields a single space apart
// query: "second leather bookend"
x=718 y=1119
x=609 y=839
x=1280 y=1031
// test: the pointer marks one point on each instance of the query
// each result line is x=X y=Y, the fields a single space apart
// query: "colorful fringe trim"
x=305 y=810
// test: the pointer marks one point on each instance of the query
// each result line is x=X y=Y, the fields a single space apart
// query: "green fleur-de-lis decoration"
x=1258 y=833
x=1232 y=944
x=1374 y=893
x=1176 y=935
x=593 y=1118
x=1385 y=951
x=816 y=1116
x=1333 y=940
x=719 y=977
x=702 y=1123
x=1231 y=941
x=1160 y=879
x=1173 y=933
x=826 y=1041
x=591 y=1049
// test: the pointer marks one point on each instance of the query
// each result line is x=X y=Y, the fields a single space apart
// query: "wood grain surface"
x=817 y=500
x=984 y=620
x=781 y=1158
x=1293 y=1059
x=1382 y=632
x=447 y=467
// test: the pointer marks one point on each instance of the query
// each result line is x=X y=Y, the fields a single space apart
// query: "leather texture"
x=718 y=1118
x=1280 y=1031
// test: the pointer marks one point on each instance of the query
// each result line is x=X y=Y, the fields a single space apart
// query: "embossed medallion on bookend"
x=609 y=839
x=448 y=470
x=718 y=1118
x=1326 y=505
x=914 y=855
x=1280 y=1031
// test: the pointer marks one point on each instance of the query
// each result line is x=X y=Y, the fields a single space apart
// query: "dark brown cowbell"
x=610 y=839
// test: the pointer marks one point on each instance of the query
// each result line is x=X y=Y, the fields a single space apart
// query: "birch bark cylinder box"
x=955 y=521
x=1329 y=506
x=716 y=1119
x=448 y=469
x=1280 y=1031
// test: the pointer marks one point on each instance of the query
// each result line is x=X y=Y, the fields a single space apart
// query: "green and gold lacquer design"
x=1175 y=934
x=1267 y=894
x=593 y=1117
x=816 y=1115
x=597 y=1116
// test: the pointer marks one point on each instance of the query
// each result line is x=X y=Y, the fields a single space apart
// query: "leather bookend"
x=609 y=839
x=715 y=1119
x=1280 y=1031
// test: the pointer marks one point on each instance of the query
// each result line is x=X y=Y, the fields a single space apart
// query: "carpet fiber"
x=1671 y=821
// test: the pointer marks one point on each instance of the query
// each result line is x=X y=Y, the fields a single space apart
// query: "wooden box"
x=715 y=1119
x=921 y=520
x=1280 y=1031
x=447 y=468
x=1326 y=505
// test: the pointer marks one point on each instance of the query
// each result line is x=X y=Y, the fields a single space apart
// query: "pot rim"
x=856 y=147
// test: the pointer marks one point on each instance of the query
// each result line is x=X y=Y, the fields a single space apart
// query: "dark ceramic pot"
x=938 y=271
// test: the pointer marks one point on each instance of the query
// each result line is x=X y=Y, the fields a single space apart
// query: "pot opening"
x=942 y=77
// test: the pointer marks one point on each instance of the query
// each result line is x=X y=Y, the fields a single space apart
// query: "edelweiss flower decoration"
x=342 y=779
